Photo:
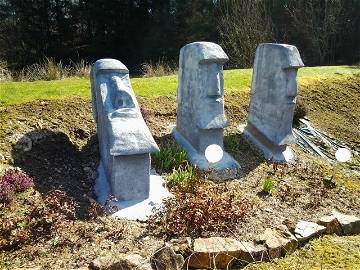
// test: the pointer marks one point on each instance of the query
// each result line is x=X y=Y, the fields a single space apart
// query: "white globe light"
x=343 y=155
x=214 y=153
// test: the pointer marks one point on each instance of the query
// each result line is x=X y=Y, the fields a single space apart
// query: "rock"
x=252 y=252
x=214 y=252
x=181 y=245
x=290 y=225
x=23 y=142
x=279 y=242
x=167 y=259
x=349 y=224
x=121 y=262
x=332 y=225
x=305 y=230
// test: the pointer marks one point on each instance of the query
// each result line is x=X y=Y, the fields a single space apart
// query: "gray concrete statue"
x=200 y=115
x=273 y=100
x=125 y=141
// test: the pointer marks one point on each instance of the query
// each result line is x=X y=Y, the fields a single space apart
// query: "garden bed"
x=57 y=224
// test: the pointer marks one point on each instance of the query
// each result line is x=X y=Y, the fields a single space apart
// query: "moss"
x=329 y=252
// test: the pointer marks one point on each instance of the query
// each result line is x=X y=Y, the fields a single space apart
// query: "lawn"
x=235 y=80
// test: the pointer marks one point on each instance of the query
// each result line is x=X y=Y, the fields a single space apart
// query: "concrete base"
x=131 y=209
x=226 y=168
x=269 y=150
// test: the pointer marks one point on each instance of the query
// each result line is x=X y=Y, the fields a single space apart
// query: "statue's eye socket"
x=120 y=102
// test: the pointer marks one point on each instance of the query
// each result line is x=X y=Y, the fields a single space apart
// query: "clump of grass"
x=5 y=74
x=80 y=69
x=183 y=175
x=170 y=156
x=268 y=185
x=158 y=69
x=231 y=142
x=47 y=70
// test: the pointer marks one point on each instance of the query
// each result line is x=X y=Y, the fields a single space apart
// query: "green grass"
x=235 y=80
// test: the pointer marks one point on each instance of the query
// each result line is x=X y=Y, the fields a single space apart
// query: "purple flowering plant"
x=13 y=181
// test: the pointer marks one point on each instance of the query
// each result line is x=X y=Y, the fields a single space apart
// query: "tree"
x=243 y=24
x=315 y=24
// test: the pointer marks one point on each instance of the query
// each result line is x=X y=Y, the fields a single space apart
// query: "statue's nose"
x=215 y=87
x=118 y=83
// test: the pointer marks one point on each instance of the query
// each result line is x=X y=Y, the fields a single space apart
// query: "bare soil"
x=64 y=156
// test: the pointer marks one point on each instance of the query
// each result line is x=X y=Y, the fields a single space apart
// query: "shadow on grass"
x=56 y=163
x=248 y=158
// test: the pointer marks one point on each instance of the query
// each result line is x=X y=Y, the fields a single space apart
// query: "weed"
x=5 y=74
x=42 y=222
x=159 y=68
x=80 y=69
x=206 y=207
x=182 y=176
x=268 y=185
x=170 y=156
x=231 y=143
x=47 y=70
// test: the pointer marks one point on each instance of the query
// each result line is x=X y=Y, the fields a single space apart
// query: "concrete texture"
x=200 y=115
x=124 y=139
x=273 y=100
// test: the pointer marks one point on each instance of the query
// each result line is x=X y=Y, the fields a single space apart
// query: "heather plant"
x=13 y=181
x=6 y=191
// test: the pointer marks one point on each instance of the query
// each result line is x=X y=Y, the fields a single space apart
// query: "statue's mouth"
x=124 y=112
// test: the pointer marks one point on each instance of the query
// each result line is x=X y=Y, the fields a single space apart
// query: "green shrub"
x=171 y=156
x=269 y=185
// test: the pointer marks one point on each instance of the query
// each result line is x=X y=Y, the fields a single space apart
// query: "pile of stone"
x=222 y=253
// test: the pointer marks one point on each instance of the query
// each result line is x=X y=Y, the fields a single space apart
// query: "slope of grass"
x=329 y=252
x=235 y=80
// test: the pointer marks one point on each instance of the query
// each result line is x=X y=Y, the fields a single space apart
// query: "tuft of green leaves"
x=268 y=185
x=183 y=175
x=170 y=156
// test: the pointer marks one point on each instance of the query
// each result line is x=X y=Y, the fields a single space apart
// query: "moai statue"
x=125 y=141
x=200 y=114
x=273 y=100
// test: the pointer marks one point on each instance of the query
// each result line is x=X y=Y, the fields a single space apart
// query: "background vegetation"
x=139 y=31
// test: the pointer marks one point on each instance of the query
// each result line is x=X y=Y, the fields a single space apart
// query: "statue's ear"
x=93 y=94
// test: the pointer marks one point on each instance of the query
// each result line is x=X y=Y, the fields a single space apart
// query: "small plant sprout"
x=182 y=176
x=214 y=153
x=269 y=185
x=170 y=156
x=343 y=155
